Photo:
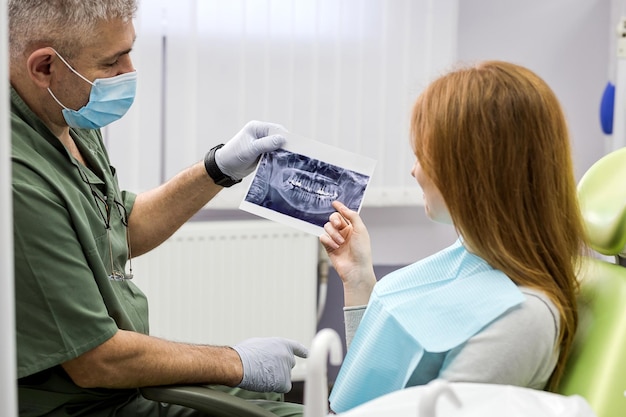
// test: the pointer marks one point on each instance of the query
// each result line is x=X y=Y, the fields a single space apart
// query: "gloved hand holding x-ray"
x=239 y=156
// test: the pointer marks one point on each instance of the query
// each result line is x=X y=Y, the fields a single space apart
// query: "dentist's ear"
x=40 y=66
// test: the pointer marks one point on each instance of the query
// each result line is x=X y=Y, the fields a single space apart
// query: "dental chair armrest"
x=204 y=398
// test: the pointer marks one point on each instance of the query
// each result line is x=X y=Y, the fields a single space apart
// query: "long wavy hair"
x=494 y=140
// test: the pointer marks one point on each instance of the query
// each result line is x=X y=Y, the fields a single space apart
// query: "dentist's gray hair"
x=66 y=25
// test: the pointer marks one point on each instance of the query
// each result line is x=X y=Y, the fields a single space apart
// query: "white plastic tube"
x=326 y=346
x=323 y=265
x=428 y=402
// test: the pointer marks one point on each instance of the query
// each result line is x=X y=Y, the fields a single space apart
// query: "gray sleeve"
x=519 y=348
x=352 y=317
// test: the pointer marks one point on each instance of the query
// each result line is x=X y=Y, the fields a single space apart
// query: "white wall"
x=568 y=43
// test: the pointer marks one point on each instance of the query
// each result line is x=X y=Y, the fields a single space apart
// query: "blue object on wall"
x=606 y=108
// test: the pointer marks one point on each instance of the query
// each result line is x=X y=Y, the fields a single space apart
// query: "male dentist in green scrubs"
x=82 y=325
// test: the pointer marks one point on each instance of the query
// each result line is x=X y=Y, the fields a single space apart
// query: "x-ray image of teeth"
x=304 y=188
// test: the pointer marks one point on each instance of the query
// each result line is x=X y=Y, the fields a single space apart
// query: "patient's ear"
x=40 y=66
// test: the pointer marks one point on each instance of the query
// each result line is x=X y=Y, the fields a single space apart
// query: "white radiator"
x=223 y=282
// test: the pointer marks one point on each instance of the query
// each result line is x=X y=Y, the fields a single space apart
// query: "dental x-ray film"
x=295 y=185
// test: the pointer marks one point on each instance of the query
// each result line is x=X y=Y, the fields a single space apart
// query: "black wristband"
x=218 y=177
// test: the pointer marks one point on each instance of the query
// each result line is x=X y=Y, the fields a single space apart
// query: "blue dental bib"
x=432 y=305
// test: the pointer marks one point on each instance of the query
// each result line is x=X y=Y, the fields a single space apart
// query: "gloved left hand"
x=267 y=363
x=238 y=157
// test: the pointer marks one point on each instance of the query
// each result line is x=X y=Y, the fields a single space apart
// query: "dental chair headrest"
x=602 y=199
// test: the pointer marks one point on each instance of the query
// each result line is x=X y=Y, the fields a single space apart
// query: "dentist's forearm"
x=132 y=360
x=158 y=213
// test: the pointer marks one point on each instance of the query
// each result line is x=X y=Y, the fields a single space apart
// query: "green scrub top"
x=66 y=302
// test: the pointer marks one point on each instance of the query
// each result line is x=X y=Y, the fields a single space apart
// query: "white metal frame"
x=619 y=122
x=8 y=386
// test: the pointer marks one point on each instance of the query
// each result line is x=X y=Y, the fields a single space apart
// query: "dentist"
x=82 y=325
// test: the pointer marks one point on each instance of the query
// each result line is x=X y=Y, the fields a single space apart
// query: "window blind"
x=343 y=72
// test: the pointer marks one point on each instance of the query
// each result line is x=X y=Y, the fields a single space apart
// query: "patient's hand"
x=347 y=243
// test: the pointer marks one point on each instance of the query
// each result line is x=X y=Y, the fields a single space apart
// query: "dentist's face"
x=106 y=56
x=434 y=203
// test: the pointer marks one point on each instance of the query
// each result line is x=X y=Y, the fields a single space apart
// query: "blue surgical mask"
x=109 y=100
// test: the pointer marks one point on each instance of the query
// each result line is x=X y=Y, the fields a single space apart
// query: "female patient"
x=498 y=306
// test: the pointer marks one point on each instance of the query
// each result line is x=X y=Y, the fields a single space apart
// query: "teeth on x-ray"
x=307 y=191
x=304 y=188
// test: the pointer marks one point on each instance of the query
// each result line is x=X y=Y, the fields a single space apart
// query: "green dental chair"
x=597 y=367
x=210 y=400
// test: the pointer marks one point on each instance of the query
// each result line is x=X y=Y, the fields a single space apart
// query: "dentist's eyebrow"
x=117 y=54
x=120 y=53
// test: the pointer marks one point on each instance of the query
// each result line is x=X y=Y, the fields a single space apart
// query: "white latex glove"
x=267 y=363
x=238 y=157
